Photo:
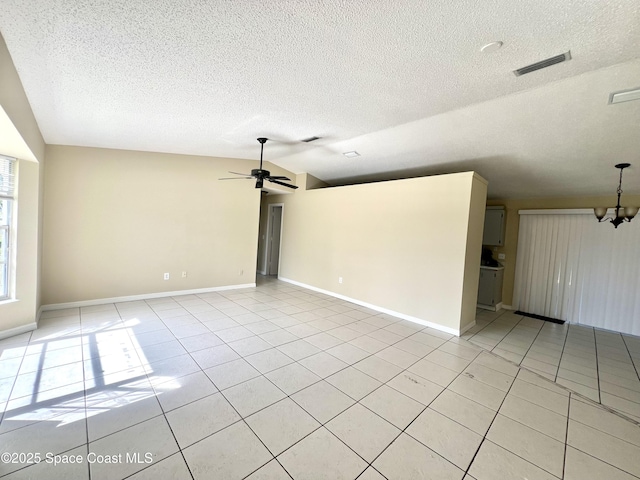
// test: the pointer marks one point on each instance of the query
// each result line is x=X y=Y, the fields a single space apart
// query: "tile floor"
x=599 y=364
x=280 y=382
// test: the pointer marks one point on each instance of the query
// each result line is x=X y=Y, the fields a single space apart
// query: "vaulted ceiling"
x=402 y=82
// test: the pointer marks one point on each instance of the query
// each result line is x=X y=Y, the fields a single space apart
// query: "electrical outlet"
x=339 y=279
x=184 y=274
x=501 y=256
x=166 y=276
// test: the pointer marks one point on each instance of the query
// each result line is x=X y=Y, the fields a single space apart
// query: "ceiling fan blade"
x=276 y=177
x=281 y=183
x=235 y=178
x=243 y=174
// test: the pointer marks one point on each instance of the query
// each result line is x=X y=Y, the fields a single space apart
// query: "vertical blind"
x=571 y=267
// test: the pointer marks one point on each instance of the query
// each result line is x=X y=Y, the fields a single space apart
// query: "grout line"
x=243 y=357
x=84 y=391
x=564 y=344
x=595 y=342
x=635 y=367
x=321 y=379
x=531 y=345
x=489 y=429
x=3 y=475
x=566 y=436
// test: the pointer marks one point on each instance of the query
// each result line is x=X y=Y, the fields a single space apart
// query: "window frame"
x=8 y=175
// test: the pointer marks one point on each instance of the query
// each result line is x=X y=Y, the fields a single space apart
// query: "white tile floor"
x=599 y=364
x=280 y=382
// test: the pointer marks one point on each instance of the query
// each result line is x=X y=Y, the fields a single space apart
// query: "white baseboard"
x=131 y=298
x=464 y=329
x=508 y=307
x=262 y=272
x=494 y=308
x=18 y=330
x=377 y=308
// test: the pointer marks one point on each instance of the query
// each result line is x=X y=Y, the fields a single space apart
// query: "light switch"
x=501 y=256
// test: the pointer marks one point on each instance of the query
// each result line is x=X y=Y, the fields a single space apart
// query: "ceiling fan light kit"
x=261 y=175
x=622 y=214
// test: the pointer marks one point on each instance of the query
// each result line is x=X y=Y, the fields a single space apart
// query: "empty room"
x=319 y=240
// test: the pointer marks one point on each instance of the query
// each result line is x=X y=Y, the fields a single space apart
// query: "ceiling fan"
x=261 y=175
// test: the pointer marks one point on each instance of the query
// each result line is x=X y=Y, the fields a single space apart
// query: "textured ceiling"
x=402 y=82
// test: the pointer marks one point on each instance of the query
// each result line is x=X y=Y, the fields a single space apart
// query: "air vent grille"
x=310 y=139
x=543 y=64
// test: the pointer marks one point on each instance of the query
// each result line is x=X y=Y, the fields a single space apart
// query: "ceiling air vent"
x=625 y=96
x=310 y=139
x=543 y=64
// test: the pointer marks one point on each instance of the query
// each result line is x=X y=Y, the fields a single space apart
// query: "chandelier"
x=621 y=213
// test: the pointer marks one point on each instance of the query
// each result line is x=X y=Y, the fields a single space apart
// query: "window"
x=7 y=198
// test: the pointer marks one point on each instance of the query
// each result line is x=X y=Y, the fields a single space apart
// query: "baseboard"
x=492 y=308
x=144 y=296
x=377 y=308
x=467 y=327
x=18 y=330
x=262 y=272
x=507 y=307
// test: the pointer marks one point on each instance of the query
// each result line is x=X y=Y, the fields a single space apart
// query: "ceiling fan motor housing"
x=259 y=173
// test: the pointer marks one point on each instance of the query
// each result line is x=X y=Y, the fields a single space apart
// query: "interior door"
x=274 y=240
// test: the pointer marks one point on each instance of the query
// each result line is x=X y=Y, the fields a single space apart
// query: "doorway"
x=274 y=234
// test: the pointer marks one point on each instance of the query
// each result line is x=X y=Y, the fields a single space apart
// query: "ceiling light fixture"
x=351 y=154
x=622 y=213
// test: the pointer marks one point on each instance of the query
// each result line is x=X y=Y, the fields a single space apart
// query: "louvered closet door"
x=571 y=267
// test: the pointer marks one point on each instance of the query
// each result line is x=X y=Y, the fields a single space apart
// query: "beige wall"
x=477 y=208
x=116 y=220
x=16 y=105
x=309 y=182
x=513 y=223
x=264 y=210
x=399 y=245
x=20 y=136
